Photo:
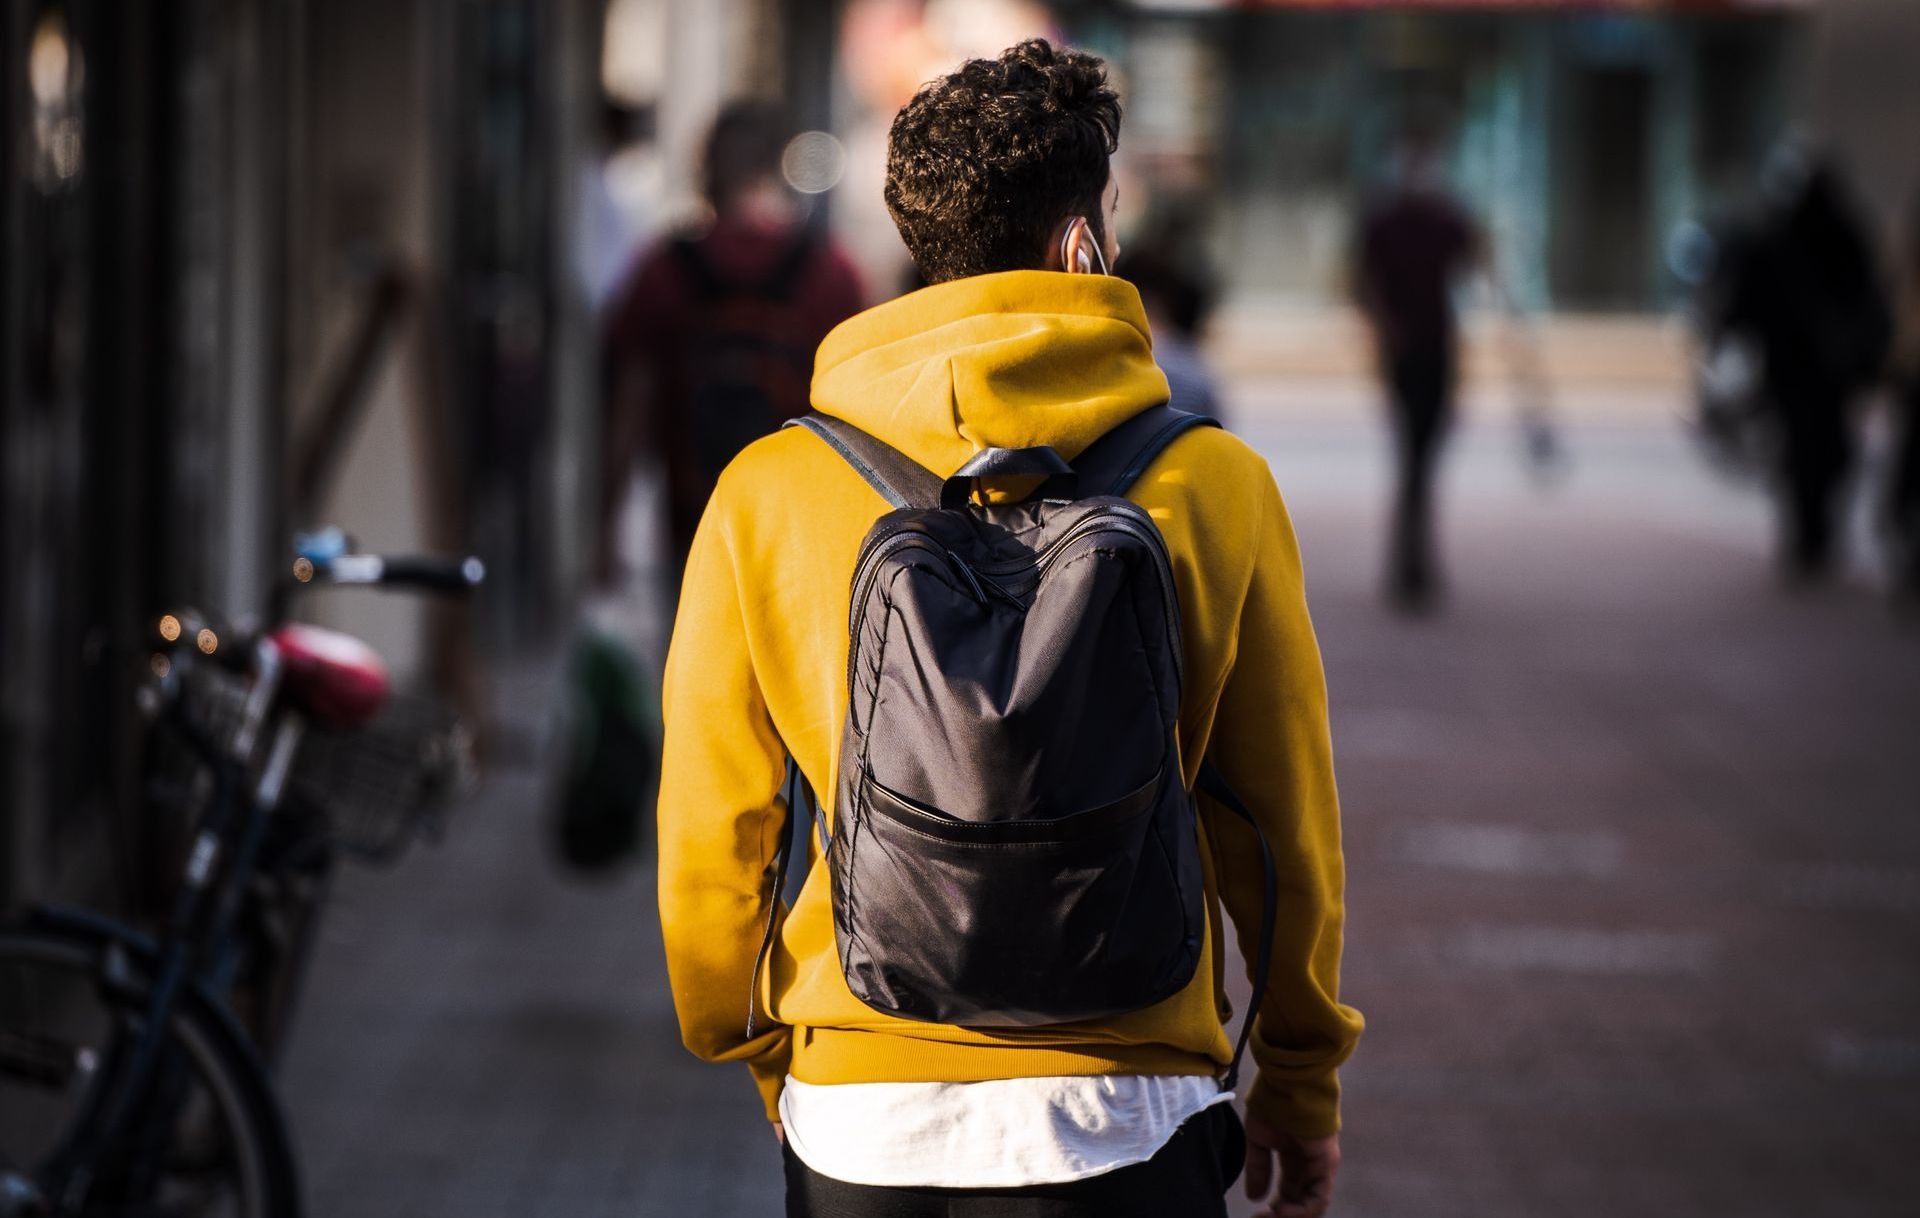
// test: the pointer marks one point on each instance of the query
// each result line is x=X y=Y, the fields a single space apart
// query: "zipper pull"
x=973 y=581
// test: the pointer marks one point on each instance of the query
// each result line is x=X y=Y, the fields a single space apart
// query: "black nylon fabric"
x=1014 y=845
x=1010 y=690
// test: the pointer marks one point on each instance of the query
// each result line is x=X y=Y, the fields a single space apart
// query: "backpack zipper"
x=1132 y=522
x=1122 y=518
x=867 y=570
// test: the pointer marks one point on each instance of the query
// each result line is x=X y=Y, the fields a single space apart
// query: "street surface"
x=1633 y=843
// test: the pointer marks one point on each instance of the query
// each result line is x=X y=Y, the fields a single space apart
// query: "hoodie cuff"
x=1304 y=1109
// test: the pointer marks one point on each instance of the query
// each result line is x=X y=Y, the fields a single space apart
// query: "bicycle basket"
x=375 y=786
x=212 y=706
x=214 y=701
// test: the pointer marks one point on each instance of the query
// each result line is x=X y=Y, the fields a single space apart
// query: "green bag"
x=611 y=755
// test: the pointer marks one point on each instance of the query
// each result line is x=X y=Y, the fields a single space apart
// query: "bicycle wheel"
x=207 y=1145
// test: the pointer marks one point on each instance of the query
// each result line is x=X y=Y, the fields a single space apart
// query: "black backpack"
x=1015 y=845
x=749 y=353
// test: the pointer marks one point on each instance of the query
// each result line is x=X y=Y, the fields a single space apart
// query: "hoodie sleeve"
x=719 y=819
x=1271 y=741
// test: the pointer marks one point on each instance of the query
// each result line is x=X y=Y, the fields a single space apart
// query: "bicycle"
x=133 y=1069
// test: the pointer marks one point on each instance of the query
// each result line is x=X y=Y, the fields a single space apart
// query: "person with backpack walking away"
x=1041 y=645
x=713 y=337
x=1805 y=288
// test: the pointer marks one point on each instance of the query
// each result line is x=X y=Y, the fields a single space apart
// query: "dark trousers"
x=1421 y=386
x=1189 y=1177
x=1816 y=451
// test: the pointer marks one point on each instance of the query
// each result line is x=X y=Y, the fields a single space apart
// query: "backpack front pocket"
x=1015 y=923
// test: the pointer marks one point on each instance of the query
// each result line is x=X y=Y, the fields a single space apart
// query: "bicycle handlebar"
x=426 y=572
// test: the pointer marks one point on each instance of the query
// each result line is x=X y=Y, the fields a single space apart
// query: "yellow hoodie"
x=757 y=670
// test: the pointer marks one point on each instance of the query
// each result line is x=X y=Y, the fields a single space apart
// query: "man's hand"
x=780 y=1133
x=1307 y=1166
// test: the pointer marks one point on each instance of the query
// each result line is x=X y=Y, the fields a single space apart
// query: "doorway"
x=1603 y=246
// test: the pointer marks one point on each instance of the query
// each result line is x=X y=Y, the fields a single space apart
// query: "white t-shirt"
x=1003 y=1133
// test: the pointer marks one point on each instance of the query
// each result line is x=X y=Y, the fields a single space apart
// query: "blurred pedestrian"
x=1415 y=242
x=1022 y=355
x=1167 y=263
x=1903 y=489
x=713 y=336
x=1803 y=287
x=616 y=205
x=613 y=202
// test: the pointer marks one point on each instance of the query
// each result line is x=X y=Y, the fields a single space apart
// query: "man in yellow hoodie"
x=998 y=179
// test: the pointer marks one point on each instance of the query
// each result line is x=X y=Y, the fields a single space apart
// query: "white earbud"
x=1078 y=251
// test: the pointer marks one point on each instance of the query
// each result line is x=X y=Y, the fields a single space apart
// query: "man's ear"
x=1056 y=253
x=1074 y=249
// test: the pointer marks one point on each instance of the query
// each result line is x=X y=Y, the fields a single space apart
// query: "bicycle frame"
x=197 y=950
x=130 y=957
x=189 y=970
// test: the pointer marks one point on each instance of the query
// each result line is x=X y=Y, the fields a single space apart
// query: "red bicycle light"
x=335 y=677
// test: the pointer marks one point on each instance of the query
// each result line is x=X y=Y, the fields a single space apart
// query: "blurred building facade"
x=1579 y=136
x=1581 y=132
x=1862 y=102
x=278 y=263
x=273 y=263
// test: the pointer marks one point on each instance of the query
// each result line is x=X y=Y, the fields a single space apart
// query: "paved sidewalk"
x=1633 y=853
x=485 y=1037
x=1634 y=887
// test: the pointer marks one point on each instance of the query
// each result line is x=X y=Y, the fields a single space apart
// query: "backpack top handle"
x=1039 y=461
x=1109 y=466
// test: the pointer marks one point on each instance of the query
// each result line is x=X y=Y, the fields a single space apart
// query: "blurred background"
x=1632 y=787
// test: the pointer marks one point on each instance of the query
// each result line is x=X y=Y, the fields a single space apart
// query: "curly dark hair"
x=982 y=164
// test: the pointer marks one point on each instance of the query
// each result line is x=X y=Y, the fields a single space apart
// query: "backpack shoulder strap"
x=795 y=790
x=1214 y=784
x=1111 y=464
x=777 y=284
x=701 y=278
x=899 y=479
x=784 y=279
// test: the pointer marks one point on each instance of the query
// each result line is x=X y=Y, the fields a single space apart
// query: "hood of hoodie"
x=1011 y=360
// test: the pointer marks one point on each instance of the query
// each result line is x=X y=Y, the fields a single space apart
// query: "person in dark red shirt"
x=1415 y=241
x=711 y=343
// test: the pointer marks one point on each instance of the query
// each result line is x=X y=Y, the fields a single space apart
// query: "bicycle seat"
x=333 y=677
